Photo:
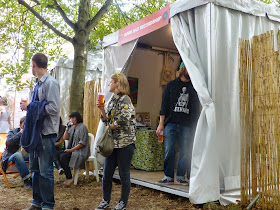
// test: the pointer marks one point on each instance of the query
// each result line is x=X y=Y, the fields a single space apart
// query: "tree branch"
x=123 y=14
x=48 y=6
x=50 y=26
x=99 y=14
x=57 y=7
x=142 y=8
x=63 y=15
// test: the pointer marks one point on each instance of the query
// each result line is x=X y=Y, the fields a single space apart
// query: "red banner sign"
x=144 y=26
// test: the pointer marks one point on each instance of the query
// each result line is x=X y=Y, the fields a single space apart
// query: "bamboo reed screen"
x=91 y=115
x=259 y=77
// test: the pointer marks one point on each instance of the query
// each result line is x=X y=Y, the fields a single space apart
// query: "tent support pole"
x=253 y=202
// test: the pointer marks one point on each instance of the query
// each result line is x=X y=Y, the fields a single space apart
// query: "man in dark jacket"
x=10 y=154
x=179 y=113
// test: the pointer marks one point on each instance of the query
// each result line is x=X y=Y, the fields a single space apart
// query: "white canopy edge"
x=184 y=5
x=247 y=6
x=252 y=7
x=110 y=39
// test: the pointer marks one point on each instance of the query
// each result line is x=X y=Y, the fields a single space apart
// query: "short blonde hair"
x=121 y=80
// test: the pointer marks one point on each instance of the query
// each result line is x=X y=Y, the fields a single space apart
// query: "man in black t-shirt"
x=179 y=112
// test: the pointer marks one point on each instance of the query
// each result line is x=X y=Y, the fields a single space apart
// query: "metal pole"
x=253 y=202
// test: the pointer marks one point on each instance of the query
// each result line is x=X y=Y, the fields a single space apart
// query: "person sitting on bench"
x=11 y=154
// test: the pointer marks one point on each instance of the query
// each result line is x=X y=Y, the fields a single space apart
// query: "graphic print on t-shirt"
x=182 y=103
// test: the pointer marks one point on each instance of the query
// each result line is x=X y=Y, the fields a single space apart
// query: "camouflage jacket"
x=121 y=113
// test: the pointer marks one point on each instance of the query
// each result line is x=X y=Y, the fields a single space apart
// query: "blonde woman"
x=5 y=116
x=120 y=114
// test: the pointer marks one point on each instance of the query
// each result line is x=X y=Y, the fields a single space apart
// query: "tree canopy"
x=29 y=26
x=22 y=34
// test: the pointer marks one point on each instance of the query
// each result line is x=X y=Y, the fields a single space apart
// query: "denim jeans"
x=56 y=158
x=42 y=175
x=19 y=159
x=120 y=157
x=183 y=136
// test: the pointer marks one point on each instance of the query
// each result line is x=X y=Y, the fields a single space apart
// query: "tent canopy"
x=62 y=71
x=206 y=34
x=255 y=8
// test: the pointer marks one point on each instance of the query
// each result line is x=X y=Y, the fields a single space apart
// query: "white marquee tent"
x=206 y=34
x=62 y=71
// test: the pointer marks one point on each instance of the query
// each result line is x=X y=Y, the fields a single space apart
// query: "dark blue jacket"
x=12 y=146
x=31 y=139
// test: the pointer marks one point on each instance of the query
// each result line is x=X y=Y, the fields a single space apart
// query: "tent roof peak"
x=251 y=7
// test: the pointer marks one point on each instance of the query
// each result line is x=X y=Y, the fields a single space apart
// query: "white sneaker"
x=120 y=206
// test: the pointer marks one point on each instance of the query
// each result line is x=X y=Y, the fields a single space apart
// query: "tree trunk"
x=78 y=78
x=81 y=44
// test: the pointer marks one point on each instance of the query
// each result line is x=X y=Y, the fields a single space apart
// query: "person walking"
x=179 y=113
x=120 y=115
x=41 y=141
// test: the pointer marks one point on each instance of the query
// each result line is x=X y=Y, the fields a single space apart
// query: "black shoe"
x=182 y=181
x=27 y=184
x=165 y=181
x=103 y=205
x=32 y=207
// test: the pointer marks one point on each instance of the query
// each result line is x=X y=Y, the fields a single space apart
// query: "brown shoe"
x=68 y=182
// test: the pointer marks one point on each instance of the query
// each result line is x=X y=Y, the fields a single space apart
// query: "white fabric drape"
x=204 y=181
x=207 y=36
x=253 y=7
x=230 y=27
x=116 y=59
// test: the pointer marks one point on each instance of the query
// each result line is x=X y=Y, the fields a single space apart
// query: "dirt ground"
x=88 y=193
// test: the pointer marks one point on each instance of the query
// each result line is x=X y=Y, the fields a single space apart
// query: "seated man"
x=77 y=151
x=59 y=148
x=10 y=154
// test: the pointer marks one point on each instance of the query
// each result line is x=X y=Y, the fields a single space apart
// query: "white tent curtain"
x=216 y=155
x=204 y=181
x=116 y=60
x=230 y=27
x=207 y=33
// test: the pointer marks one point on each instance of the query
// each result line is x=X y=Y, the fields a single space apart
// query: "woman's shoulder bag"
x=105 y=144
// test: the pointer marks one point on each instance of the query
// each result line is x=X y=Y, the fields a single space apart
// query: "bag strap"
x=114 y=106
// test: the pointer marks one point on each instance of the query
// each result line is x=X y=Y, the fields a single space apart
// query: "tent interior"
x=146 y=65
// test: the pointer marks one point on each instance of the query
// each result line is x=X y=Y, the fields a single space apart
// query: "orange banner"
x=144 y=26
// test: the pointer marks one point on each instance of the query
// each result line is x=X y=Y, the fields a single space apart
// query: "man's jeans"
x=56 y=158
x=19 y=159
x=42 y=175
x=120 y=157
x=183 y=136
